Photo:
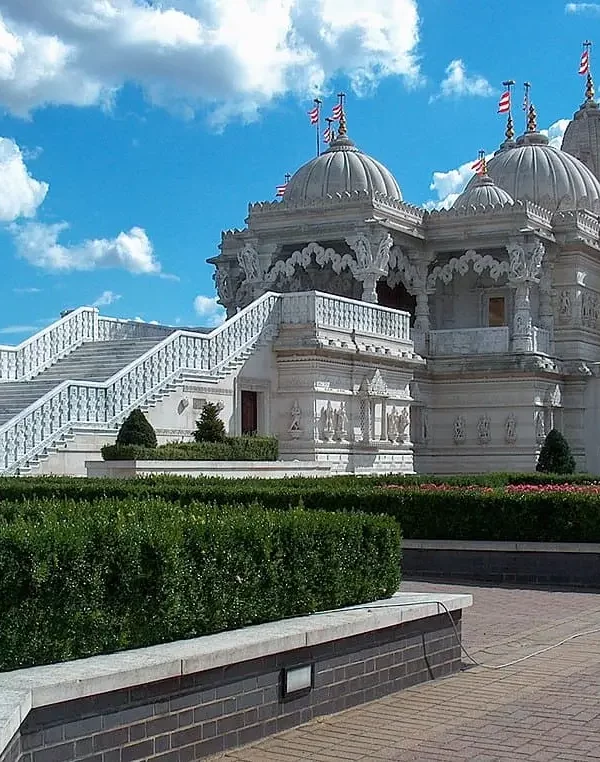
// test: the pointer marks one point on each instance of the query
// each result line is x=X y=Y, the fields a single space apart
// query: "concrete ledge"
x=58 y=690
x=227 y=469
x=525 y=563
x=491 y=545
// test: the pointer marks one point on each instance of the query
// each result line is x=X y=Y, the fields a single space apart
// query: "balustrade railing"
x=79 y=403
x=41 y=350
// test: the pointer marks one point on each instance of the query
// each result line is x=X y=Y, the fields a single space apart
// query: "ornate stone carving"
x=376 y=387
x=540 y=426
x=525 y=261
x=565 y=307
x=461 y=265
x=590 y=309
x=328 y=422
x=223 y=286
x=510 y=429
x=370 y=267
x=295 y=427
x=304 y=257
x=250 y=263
x=483 y=429
x=341 y=423
x=397 y=424
x=459 y=430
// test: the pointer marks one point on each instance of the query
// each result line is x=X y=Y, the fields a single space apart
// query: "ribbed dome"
x=482 y=191
x=342 y=168
x=534 y=171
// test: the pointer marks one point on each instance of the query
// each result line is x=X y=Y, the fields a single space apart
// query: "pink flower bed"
x=519 y=489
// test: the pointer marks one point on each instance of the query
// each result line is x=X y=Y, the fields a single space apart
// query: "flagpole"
x=510 y=130
x=526 y=101
x=318 y=125
x=589 y=89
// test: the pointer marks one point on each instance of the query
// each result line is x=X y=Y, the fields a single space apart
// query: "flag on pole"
x=336 y=112
x=479 y=165
x=313 y=114
x=584 y=65
x=504 y=103
x=281 y=190
x=328 y=134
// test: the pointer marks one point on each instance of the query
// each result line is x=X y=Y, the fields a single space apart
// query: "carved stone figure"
x=249 y=262
x=510 y=429
x=483 y=429
x=392 y=425
x=329 y=423
x=460 y=430
x=403 y=422
x=341 y=423
x=222 y=284
x=296 y=415
x=565 y=304
x=540 y=426
x=525 y=261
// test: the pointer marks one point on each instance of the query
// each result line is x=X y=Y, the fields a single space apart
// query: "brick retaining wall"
x=195 y=715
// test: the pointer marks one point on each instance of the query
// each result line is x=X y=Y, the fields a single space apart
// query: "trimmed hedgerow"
x=136 y=430
x=231 y=448
x=78 y=579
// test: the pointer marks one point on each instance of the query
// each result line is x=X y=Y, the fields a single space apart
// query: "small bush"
x=232 y=448
x=210 y=427
x=136 y=430
x=78 y=579
x=555 y=456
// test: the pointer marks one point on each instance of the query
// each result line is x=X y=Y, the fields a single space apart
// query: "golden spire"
x=343 y=128
x=589 y=88
x=510 y=128
x=483 y=163
x=531 y=119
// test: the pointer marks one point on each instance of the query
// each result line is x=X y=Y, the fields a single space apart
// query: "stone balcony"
x=481 y=341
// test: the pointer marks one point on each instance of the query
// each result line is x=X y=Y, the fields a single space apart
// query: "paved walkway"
x=545 y=708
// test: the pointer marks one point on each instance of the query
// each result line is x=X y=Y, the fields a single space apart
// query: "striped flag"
x=479 y=165
x=584 y=65
x=313 y=114
x=336 y=112
x=504 y=103
x=328 y=134
x=281 y=190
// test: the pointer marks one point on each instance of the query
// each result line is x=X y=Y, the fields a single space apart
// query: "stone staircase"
x=95 y=361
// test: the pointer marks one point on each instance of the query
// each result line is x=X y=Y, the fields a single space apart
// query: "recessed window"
x=496 y=312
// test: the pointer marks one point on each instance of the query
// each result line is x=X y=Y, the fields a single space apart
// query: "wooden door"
x=249 y=412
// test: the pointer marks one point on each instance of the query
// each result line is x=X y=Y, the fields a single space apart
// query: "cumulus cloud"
x=20 y=193
x=458 y=83
x=38 y=244
x=209 y=311
x=106 y=298
x=449 y=185
x=593 y=8
x=185 y=52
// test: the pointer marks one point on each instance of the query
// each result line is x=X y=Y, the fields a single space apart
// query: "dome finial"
x=505 y=107
x=585 y=68
x=480 y=165
x=531 y=119
x=343 y=128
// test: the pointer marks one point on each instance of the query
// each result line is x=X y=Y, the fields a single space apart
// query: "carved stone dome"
x=482 y=191
x=532 y=170
x=342 y=168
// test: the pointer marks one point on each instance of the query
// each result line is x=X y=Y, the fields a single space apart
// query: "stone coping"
x=503 y=546
x=26 y=689
x=209 y=465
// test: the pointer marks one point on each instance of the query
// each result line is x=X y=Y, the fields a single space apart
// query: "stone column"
x=383 y=434
x=525 y=262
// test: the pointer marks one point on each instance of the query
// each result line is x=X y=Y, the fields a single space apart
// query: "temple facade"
x=364 y=332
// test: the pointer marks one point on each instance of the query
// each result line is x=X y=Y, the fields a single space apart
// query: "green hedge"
x=78 y=579
x=232 y=448
x=458 y=514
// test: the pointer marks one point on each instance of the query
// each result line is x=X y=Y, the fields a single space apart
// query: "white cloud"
x=38 y=244
x=27 y=290
x=449 y=185
x=106 y=298
x=186 y=52
x=10 y=329
x=209 y=311
x=20 y=193
x=582 y=8
x=458 y=83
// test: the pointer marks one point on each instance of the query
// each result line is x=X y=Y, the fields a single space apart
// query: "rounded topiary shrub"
x=555 y=456
x=136 y=430
x=210 y=427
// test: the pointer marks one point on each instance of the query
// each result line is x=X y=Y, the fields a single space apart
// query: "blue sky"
x=134 y=131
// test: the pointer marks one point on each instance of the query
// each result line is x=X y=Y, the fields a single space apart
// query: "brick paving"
x=544 y=709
